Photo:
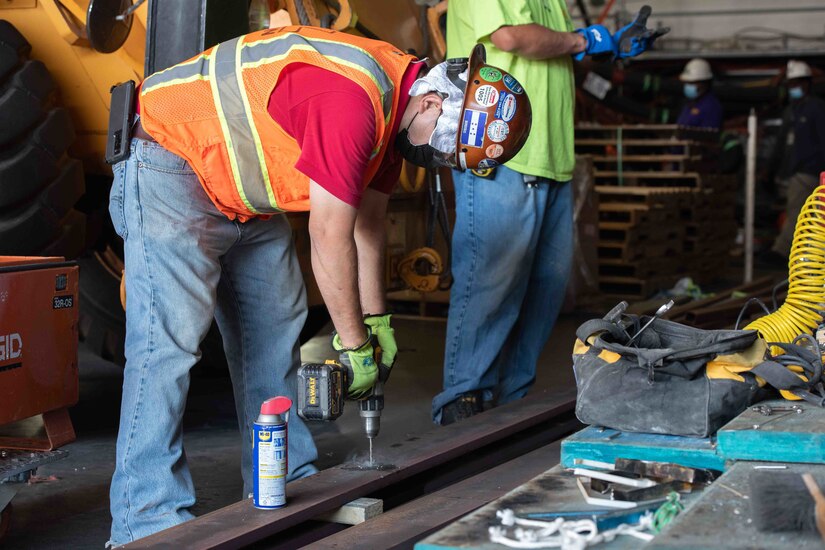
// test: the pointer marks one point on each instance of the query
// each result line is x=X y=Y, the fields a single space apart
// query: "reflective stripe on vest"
x=194 y=69
x=222 y=67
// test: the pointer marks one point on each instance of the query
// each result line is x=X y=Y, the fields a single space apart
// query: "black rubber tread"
x=56 y=133
x=102 y=324
x=11 y=37
x=9 y=59
x=33 y=226
x=13 y=47
x=28 y=169
x=71 y=241
x=22 y=99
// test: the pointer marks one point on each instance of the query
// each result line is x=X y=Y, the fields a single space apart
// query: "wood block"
x=355 y=512
x=781 y=437
x=608 y=445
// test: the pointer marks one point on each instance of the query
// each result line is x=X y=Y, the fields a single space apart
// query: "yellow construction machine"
x=58 y=61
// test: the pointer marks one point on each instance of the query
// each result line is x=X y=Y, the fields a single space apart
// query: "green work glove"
x=360 y=363
x=380 y=325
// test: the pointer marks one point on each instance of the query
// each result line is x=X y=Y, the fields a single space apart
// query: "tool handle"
x=819 y=499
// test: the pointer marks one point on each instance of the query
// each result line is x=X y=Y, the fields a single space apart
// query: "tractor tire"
x=39 y=191
x=39 y=184
x=102 y=319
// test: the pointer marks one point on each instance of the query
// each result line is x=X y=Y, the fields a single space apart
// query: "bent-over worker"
x=288 y=119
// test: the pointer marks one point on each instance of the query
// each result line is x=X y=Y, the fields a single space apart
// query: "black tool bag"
x=665 y=385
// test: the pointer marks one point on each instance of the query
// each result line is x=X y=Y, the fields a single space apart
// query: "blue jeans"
x=512 y=252
x=185 y=264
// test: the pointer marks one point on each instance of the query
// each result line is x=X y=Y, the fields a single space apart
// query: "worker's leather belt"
x=140 y=133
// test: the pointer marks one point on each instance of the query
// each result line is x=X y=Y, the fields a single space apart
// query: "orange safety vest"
x=211 y=111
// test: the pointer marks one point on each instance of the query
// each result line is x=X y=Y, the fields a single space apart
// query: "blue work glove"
x=636 y=38
x=361 y=365
x=599 y=42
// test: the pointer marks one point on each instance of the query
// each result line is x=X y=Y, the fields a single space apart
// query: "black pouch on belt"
x=121 y=117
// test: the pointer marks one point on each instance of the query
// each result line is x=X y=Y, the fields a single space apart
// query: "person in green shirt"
x=513 y=237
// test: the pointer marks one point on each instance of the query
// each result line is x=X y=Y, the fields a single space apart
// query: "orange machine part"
x=38 y=336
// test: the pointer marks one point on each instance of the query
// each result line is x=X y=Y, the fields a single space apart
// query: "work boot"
x=467 y=405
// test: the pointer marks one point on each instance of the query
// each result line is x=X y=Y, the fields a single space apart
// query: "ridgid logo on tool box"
x=11 y=347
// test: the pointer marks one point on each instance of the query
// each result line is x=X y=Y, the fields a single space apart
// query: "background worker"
x=702 y=109
x=800 y=152
x=218 y=151
x=513 y=237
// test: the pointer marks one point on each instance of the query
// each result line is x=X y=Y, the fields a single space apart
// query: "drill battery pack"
x=321 y=390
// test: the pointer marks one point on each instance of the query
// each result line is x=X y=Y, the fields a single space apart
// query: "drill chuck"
x=370 y=410
x=372 y=425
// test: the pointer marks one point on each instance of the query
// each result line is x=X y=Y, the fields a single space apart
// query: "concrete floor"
x=70 y=507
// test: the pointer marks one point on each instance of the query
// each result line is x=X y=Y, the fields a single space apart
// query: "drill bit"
x=370 y=451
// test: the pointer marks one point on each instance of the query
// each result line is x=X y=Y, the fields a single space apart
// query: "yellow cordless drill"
x=322 y=390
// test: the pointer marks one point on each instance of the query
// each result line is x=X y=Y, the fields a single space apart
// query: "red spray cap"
x=276 y=405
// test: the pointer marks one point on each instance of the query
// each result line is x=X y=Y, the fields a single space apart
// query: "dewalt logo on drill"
x=312 y=391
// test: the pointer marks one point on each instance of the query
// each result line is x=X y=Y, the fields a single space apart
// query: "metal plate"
x=16 y=462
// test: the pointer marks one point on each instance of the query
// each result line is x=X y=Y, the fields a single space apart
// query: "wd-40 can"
x=269 y=456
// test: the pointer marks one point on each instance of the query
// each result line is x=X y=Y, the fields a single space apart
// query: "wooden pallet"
x=636 y=213
x=650 y=196
x=631 y=252
x=644 y=159
x=632 y=287
x=635 y=131
x=719 y=230
x=640 y=269
x=652 y=143
x=639 y=234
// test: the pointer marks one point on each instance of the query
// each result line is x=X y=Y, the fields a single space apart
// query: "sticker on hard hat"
x=495 y=150
x=472 y=128
x=498 y=130
x=488 y=163
x=486 y=96
x=490 y=74
x=512 y=84
x=506 y=109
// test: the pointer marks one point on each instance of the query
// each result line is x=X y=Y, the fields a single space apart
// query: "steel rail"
x=404 y=525
x=240 y=524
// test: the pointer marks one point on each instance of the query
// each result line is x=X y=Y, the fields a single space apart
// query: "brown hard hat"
x=495 y=119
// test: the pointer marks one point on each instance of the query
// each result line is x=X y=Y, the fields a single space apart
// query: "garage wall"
x=721 y=27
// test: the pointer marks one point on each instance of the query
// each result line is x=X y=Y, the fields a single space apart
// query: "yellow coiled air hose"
x=802 y=311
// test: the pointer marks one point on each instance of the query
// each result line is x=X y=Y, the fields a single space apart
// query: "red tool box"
x=38 y=346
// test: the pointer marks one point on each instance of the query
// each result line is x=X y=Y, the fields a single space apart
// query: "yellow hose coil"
x=802 y=311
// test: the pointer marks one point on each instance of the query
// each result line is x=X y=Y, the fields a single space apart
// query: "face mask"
x=796 y=92
x=691 y=90
x=420 y=155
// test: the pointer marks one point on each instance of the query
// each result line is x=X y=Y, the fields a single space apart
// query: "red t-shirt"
x=332 y=119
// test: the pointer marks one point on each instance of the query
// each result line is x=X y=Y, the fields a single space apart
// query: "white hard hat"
x=696 y=70
x=797 y=69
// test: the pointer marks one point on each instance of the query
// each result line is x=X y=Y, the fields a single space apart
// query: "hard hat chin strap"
x=455 y=67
